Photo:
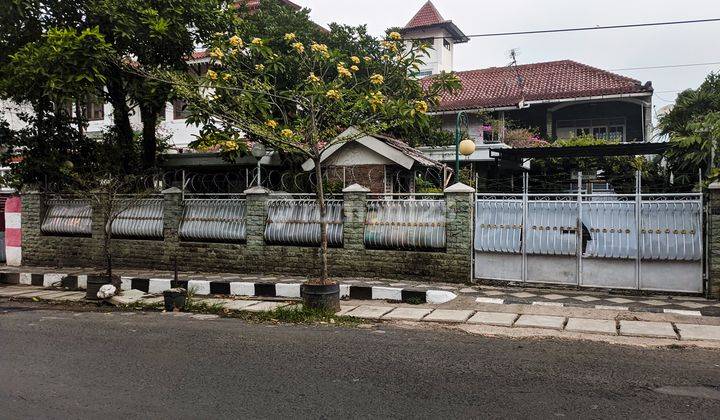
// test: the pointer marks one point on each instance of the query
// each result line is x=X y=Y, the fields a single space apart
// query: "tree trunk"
x=121 y=117
x=149 y=115
x=324 y=277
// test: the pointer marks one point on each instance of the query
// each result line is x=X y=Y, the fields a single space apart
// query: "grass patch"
x=297 y=315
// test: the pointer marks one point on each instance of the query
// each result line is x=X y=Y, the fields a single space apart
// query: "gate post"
x=713 y=287
x=459 y=202
x=172 y=214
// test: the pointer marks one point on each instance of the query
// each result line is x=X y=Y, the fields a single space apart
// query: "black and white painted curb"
x=499 y=301
x=260 y=289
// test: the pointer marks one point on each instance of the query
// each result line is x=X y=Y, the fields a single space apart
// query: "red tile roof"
x=497 y=87
x=427 y=15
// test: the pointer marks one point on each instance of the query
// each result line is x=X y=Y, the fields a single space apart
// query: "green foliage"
x=694 y=129
x=554 y=174
x=61 y=66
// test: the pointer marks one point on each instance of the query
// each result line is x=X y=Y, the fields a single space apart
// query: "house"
x=558 y=99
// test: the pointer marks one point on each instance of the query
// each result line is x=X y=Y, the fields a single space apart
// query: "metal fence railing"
x=69 y=217
x=214 y=220
x=297 y=222
x=139 y=219
x=405 y=224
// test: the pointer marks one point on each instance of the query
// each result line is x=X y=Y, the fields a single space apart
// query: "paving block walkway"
x=680 y=331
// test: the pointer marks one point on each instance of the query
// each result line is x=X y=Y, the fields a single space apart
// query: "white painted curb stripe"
x=287 y=290
x=439 y=296
x=386 y=293
x=242 y=289
x=493 y=301
x=199 y=287
x=157 y=286
x=682 y=312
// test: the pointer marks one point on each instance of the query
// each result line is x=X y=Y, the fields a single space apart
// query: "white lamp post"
x=258 y=151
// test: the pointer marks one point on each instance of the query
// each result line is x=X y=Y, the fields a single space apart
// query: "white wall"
x=439 y=59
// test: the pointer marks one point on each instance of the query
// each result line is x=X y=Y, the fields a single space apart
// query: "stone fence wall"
x=254 y=256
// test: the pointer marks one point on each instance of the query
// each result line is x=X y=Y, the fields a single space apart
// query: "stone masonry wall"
x=254 y=256
x=714 y=268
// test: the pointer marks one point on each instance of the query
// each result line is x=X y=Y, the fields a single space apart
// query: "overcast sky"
x=607 y=49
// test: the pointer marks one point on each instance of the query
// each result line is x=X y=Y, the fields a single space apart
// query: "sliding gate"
x=623 y=241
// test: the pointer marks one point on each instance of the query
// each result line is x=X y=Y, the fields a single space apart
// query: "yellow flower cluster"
x=226 y=76
x=229 y=145
x=376 y=98
x=217 y=53
x=313 y=79
x=377 y=79
x=290 y=37
x=395 y=36
x=390 y=46
x=354 y=69
x=271 y=123
x=235 y=41
x=355 y=59
x=333 y=94
x=421 y=107
x=342 y=71
x=257 y=41
x=299 y=47
x=259 y=67
x=320 y=48
x=368 y=59
x=212 y=75
x=287 y=133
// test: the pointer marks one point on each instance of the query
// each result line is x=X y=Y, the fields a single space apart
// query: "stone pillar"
x=32 y=207
x=172 y=214
x=355 y=208
x=459 y=200
x=255 y=217
x=713 y=287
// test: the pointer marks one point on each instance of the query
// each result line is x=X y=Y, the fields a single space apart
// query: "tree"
x=252 y=93
x=155 y=34
x=693 y=125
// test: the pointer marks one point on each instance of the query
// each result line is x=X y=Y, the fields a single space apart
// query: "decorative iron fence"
x=405 y=224
x=67 y=217
x=297 y=222
x=214 y=220
x=139 y=219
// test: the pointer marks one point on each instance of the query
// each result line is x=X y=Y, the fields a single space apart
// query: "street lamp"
x=465 y=147
x=258 y=151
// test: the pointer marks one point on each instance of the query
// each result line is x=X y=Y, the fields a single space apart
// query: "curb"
x=498 y=301
x=259 y=289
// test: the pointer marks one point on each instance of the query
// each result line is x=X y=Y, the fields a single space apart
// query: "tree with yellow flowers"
x=299 y=95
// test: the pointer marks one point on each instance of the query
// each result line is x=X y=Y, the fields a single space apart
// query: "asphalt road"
x=59 y=364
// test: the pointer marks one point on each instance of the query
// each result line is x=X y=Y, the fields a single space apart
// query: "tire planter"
x=324 y=297
x=94 y=283
x=175 y=299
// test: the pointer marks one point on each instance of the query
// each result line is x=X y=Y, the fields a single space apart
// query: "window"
x=180 y=111
x=423 y=73
x=94 y=109
x=612 y=129
x=447 y=44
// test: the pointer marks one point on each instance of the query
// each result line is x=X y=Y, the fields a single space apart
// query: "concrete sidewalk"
x=475 y=317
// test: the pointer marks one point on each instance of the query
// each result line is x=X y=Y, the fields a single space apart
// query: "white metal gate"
x=625 y=241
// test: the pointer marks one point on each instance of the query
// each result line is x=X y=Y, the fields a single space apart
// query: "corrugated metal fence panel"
x=67 y=217
x=297 y=222
x=220 y=220
x=498 y=225
x=671 y=230
x=141 y=220
x=612 y=228
x=405 y=224
x=551 y=227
